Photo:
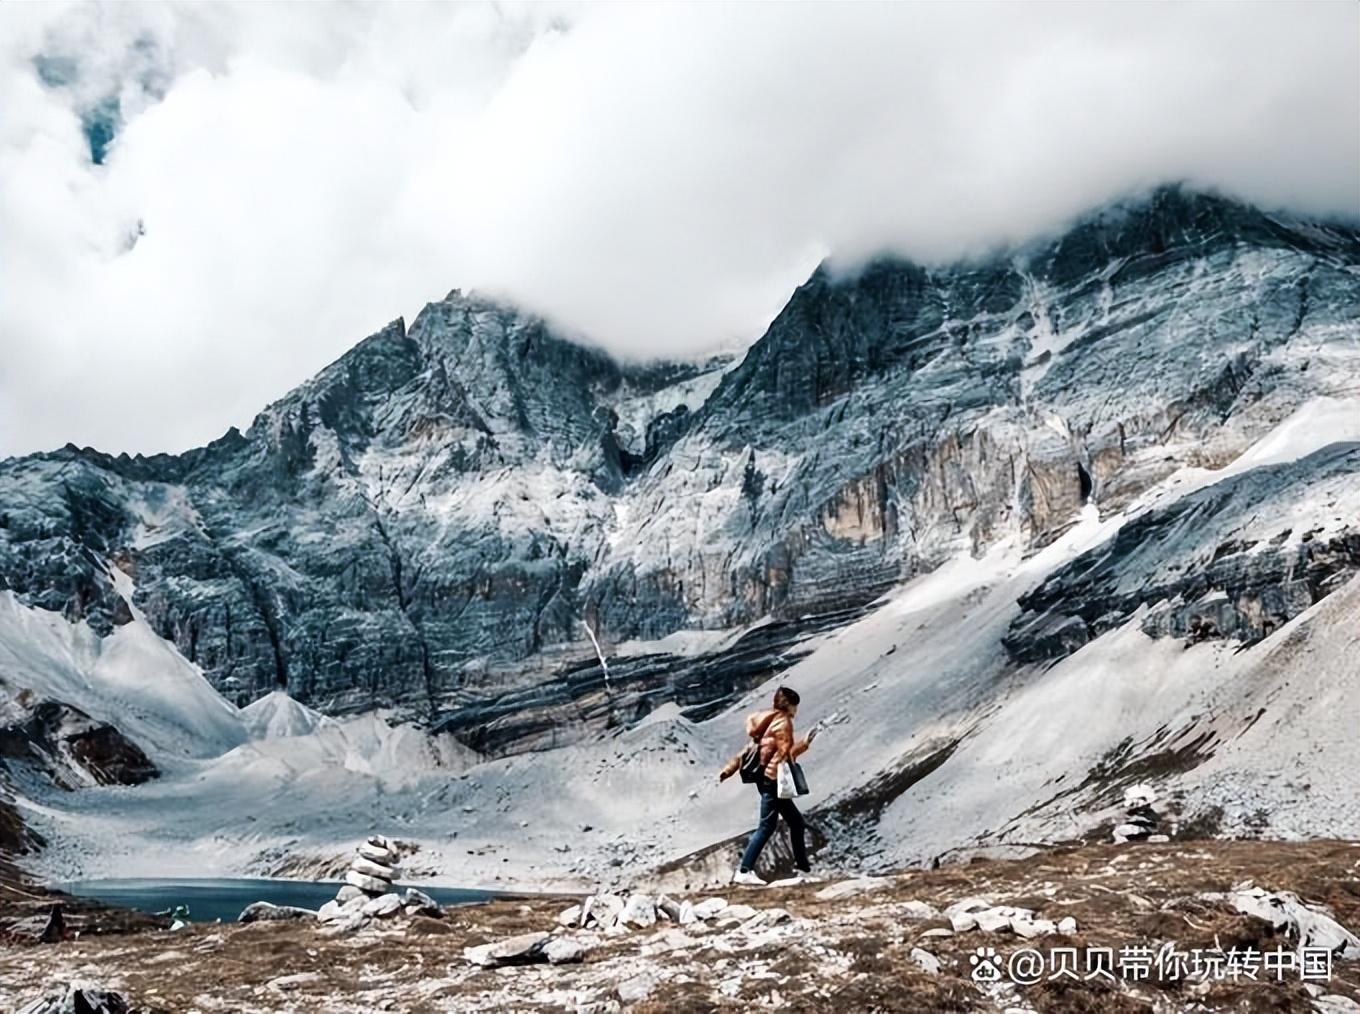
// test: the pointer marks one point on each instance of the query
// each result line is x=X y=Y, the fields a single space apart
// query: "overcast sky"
x=201 y=205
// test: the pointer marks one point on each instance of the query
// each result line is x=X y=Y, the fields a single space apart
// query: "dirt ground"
x=847 y=954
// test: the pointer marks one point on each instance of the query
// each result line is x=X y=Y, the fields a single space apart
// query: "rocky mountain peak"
x=457 y=496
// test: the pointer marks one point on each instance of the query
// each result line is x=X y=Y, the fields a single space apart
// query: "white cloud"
x=656 y=177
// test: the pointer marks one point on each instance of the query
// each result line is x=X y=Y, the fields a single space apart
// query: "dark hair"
x=786 y=696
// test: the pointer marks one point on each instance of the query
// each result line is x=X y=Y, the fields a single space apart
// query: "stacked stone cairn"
x=372 y=872
x=369 y=891
x=1141 y=822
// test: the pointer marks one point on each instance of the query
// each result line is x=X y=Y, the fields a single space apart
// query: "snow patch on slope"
x=277 y=716
x=132 y=679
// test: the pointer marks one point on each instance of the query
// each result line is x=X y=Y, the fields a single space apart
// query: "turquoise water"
x=210 y=899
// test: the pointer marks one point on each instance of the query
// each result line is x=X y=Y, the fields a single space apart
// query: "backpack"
x=751 y=769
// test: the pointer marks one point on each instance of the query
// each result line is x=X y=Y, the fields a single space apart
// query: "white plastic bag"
x=784 y=781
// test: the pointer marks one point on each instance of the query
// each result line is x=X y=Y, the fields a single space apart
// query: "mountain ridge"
x=459 y=496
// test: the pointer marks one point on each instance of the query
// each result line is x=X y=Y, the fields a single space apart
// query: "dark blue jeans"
x=771 y=809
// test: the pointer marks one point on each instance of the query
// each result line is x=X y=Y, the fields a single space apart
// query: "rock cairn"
x=1141 y=822
x=369 y=891
x=373 y=871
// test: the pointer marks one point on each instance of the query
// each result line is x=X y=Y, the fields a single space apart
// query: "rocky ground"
x=902 y=943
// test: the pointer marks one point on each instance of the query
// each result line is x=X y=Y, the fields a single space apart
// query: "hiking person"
x=771 y=733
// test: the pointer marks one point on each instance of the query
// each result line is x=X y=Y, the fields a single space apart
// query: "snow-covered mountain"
x=967 y=505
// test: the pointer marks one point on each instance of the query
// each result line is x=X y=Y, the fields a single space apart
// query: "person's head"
x=786 y=699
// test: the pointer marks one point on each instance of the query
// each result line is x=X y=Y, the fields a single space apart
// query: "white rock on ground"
x=563 y=951
x=926 y=960
x=639 y=911
x=962 y=922
x=709 y=907
x=570 y=917
x=382 y=906
x=513 y=950
x=1335 y=1003
x=1309 y=926
x=967 y=905
x=418 y=901
x=1030 y=928
x=603 y=908
x=263 y=911
x=1067 y=926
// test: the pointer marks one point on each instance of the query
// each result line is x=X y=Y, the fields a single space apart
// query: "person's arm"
x=801 y=747
x=730 y=768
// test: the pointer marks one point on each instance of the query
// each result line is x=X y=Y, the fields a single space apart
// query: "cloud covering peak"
x=202 y=204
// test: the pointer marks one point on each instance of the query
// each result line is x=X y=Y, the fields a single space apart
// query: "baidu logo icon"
x=986 y=965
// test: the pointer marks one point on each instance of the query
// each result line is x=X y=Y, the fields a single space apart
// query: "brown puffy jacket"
x=776 y=744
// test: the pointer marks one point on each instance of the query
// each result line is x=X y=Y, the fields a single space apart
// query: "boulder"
x=1067 y=926
x=639 y=911
x=354 y=920
x=709 y=907
x=993 y=920
x=962 y=922
x=686 y=915
x=668 y=907
x=1031 y=928
x=1311 y=927
x=767 y=917
x=348 y=893
x=367 y=884
x=604 y=909
x=263 y=911
x=926 y=960
x=335 y=911
x=569 y=917
x=972 y=904
x=382 y=907
x=519 y=950
x=419 y=902
x=79 y=998
x=563 y=951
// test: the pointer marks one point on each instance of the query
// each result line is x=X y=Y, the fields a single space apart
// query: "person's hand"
x=723 y=776
x=812 y=733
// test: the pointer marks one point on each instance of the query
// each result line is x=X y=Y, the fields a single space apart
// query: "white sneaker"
x=747 y=877
x=796 y=879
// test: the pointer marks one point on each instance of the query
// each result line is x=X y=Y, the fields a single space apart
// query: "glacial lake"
x=210 y=899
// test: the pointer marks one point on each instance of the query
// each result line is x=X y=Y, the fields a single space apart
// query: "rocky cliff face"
x=434 y=518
